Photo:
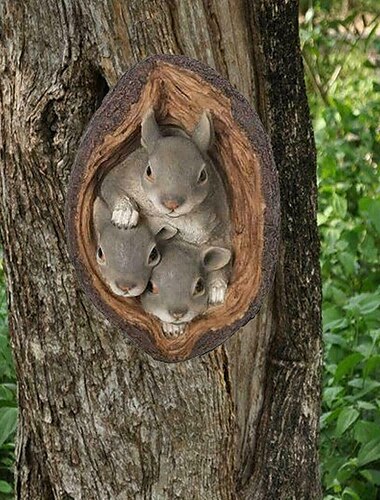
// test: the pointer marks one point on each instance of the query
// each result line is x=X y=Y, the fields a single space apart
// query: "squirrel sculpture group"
x=162 y=225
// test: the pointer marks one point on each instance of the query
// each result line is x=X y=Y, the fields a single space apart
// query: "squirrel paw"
x=217 y=293
x=173 y=330
x=125 y=214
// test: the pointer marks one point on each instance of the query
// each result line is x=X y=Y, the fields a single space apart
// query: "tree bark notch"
x=180 y=88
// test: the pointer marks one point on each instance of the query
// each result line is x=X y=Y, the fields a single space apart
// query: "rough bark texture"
x=294 y=360
x=98 y=418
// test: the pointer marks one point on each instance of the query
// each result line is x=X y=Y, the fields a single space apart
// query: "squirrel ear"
x=203 y=134
x=101 y=215
x=166 y=233
x=214 y=258
x=150 y=132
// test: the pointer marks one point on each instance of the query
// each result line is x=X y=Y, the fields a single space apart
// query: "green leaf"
x=370 y=209
x=309 y=15
x=346 y=418
x=5 y=393
x=330 y=394
x=368 y=249
x=329 y=417
x=348 y=262
x=346 y=470
x=371 y=364
x=364 y=405
x=333 y=320
x=373 y=476
x=322 y=219
x=339 y=204
x=347 y=364
x=366 y=386
x=365 y=347
x=366 y=431
x=364 y=303
x=369 y=452
x=332 y=338
x=8 y=423
x=335 y=325
x=5 y=487
x=350 y=493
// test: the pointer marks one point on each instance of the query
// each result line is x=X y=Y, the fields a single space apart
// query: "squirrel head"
x=126 y=257
x=177 y=291
x=176 y=177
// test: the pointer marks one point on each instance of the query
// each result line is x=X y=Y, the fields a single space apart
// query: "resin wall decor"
x=172 y=211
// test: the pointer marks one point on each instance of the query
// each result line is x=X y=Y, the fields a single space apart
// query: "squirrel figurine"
x=126 y=257
x=172 y=177
x=171 y=180
x=178 y=288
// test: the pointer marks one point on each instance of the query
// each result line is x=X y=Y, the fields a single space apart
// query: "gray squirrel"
x=177 y=290
x=171 y=176
x=126 y=257
x=171 y=181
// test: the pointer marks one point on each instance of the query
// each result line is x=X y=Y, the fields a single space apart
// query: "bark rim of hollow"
x=109 y=137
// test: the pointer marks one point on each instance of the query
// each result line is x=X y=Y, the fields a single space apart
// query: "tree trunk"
x=98 y=418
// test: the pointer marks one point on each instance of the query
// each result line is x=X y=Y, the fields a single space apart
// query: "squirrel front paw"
x=125 y=214
x=172 y=329
x=217 y=292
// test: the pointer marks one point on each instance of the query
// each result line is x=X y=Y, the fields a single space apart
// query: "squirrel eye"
x=154 y=256
x=152 y=287
x=199 y=288
x=202 y=176
x=100 y=255
x=148 y=172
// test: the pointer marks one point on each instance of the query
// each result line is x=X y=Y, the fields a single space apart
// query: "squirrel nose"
x=178 y=313
x=172 y=203
x=124 y=286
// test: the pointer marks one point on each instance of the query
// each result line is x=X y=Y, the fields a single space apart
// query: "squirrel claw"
x=217 y=292
x=173 y=330
x=125 y=214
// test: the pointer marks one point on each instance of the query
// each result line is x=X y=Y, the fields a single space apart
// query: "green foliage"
x=8 y=400
x=341 y=57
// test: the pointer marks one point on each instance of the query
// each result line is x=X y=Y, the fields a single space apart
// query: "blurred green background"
x=340 y=45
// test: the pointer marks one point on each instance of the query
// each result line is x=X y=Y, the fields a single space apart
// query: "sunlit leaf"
x=309 y=15
x=365 y=405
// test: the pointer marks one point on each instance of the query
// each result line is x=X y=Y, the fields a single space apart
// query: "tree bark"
x=98 y=418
